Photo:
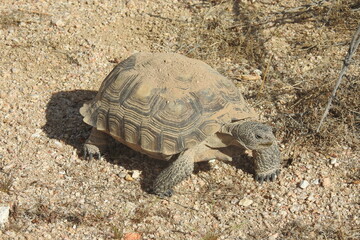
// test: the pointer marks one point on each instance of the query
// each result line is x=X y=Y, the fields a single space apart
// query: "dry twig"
x=353 y=46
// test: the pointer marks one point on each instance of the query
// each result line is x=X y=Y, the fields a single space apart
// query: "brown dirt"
x=55 y=55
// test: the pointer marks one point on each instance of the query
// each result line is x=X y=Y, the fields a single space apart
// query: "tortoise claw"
x=273 y=177
x=267 y=176
x=259 y=178
x=164 y=194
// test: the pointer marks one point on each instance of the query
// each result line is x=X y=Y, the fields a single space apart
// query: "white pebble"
x=304 y=184
x=135 y=174
x=333 y=161
x=273 y=236
x=245 y=202
x=315 y=181
x=258 y=72
x=58 y=144
x=37 y=133
x=4 y=215
x=58 y=22
x=122 y=174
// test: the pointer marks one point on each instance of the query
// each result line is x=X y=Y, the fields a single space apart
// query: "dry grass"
x=231 y=31
x=211 y=236
x=118 y=232
x=297 y=230
x=6 y=183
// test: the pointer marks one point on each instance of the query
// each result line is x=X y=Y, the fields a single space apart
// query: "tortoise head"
x=254 y=135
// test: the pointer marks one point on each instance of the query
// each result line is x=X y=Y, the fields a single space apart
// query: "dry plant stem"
x=265 y=75
x=353 y=46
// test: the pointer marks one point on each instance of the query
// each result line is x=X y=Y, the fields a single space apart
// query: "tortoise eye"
x=257 y=136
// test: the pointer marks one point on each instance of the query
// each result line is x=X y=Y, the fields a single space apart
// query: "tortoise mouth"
x=268 y=144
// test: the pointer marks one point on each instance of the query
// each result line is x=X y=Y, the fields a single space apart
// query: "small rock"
x=129 y=178
x=4 y=215
x=132 y=236
x=37 y=133
x=311 y=197
x=274 y=236
x=315 y=181
x=294 y=208
x=283 y=213
x=15 y=70
x=304 y=184
x=245 y=202
x=234 y=201
x=326 y=182
x=333 y=161
x=58 y=144
x=258 y=72
x=250 y=77
x=58 y=22
x=122 y=174
x=135 y=174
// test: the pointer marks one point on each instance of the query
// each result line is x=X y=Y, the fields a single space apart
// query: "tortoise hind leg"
x=178 y=170
x=95 y=144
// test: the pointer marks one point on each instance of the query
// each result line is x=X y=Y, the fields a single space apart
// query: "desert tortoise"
x=174 y=108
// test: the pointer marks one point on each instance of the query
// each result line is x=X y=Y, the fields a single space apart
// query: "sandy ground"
x=54 y=56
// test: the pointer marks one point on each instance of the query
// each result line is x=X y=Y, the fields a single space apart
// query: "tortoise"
x=175 y=108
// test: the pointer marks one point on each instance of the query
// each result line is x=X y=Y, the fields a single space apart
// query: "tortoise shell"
x=163 y=103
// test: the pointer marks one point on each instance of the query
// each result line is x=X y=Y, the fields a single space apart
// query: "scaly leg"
x=178 y=170
x=96 y=144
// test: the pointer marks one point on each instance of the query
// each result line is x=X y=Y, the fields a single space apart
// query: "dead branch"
x=353 y=46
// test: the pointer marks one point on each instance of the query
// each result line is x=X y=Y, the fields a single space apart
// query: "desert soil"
x=54 y=56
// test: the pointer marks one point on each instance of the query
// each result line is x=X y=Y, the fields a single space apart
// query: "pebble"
x=129 y=178
x=132 y=236
x=4 y=215
x=15 y=70
x=250 y=77
x=304 y=184
x=283 y=213
x=122 y=174
x=58 y=144
x=245 y=202
x=326 y=182
x=37 y=133
x=258 y=72
x=294 y=208
x=333 y=161
x=273 y=236
x=58 y=22
x=315 y=181
x=135 y=174
x=311 y=197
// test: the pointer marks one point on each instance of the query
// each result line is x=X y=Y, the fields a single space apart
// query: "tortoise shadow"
x=64 y=123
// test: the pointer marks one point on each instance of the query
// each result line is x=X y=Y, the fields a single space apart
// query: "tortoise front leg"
x=178 y=170
x=96 y=144
x=267 y=163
